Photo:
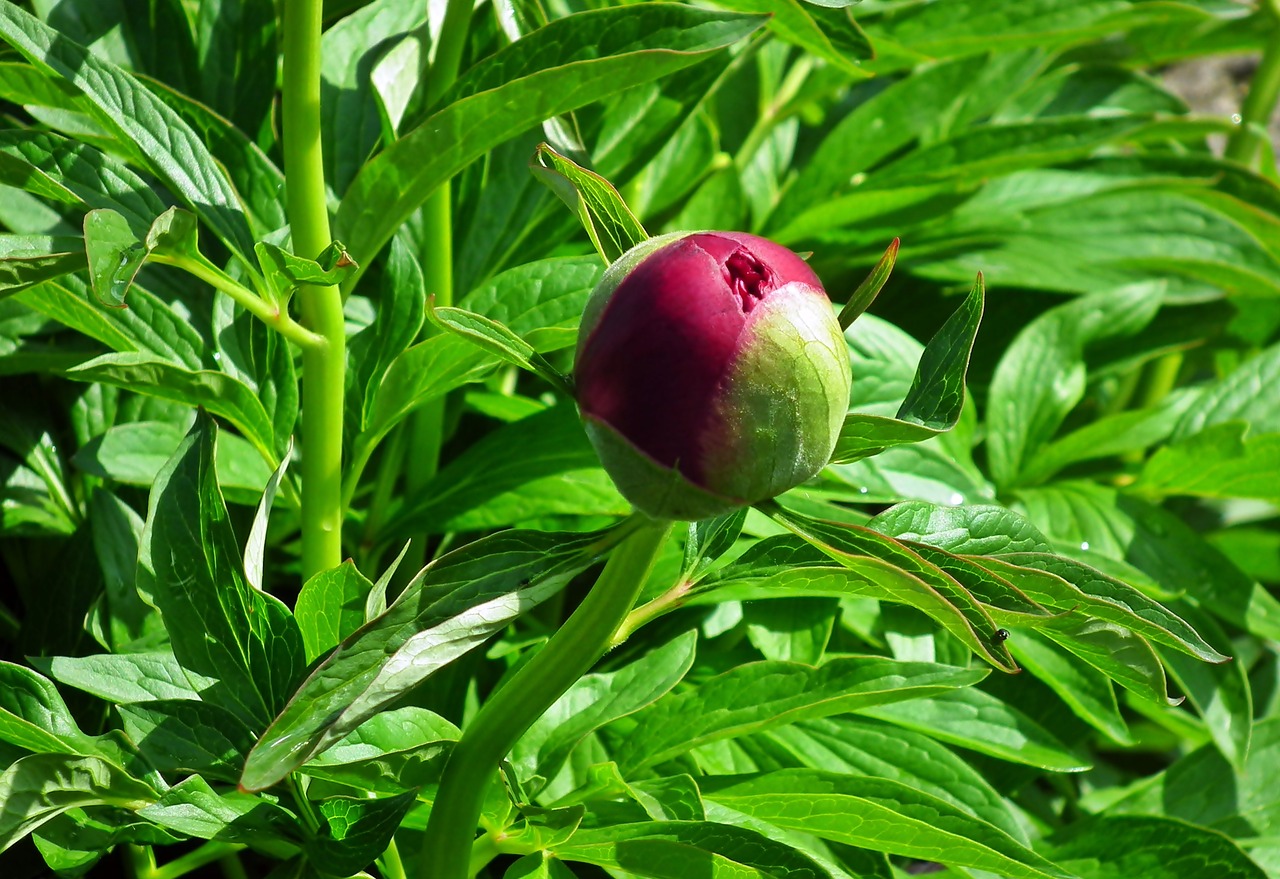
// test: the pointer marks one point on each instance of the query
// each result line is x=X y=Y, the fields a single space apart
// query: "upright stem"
x=451 y=828
x=323 y=366
x=1260 y=102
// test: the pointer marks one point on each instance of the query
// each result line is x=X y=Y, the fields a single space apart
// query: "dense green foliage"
x=1026 y=624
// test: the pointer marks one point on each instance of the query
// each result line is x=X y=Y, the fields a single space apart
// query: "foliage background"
x=1121 y=412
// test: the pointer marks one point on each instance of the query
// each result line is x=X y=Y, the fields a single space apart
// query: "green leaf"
x=1160 y=545
x=135 y=452
x=1241 y=396
x=850 y=544
x=261 y=359
x=255 y=548
x=972 y=529
x=27 y=260
x=794 y=22
x=355 y=830
x=1221 y=694
x=999 y=149
x=612 y=227
x=115 y=255
x=556 y=69
x=1192 y=789
x=1129 y=431
x=1117 y=847
x=760 y=695
x=979 y=721
x=117 y=530
x=402 y=304
x=40 y=787
x=124 y=678
x=1101 y=596
x=1122 y=655
x=556 y=473
x=1041 y=376
x=148 y=326
x=879 y=814
x=861 y=747
x=498 y=340
x=217 y=392
x=1087 y=692
x=72 y=173
x=870 y=287
x=786 y=566
x=285 y=272
x=34 y=717
x=454 y=605
x=135 y=116
x=390 y=753
x=255 y=177
x=1219 y=461
x=897 y=115
x=351 y=124
x=238 y=37
x=678 y=849
x=330 y=607
x=220 y=626
x=541 y=301
x=954 y=30
x=792 y=629
x=598 y=699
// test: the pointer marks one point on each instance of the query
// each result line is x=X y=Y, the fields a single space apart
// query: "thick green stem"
x=583 y=639
x=1260 y=102
x=323 y=366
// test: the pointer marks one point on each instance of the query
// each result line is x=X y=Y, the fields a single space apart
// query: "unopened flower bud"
x=711 y=373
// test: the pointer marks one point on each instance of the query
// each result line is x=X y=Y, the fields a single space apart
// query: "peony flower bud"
x=711 y=373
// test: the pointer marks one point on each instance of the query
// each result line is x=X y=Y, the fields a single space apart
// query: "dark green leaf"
x=851 y=544
x=217 y=392
x=220 y=626
x=486 y=486
x=187 y=736
x=1041 y=376
x=856 y=746
x=355 y=831
x=285 y=272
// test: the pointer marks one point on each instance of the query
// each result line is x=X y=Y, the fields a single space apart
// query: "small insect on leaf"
x=1002 y=634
